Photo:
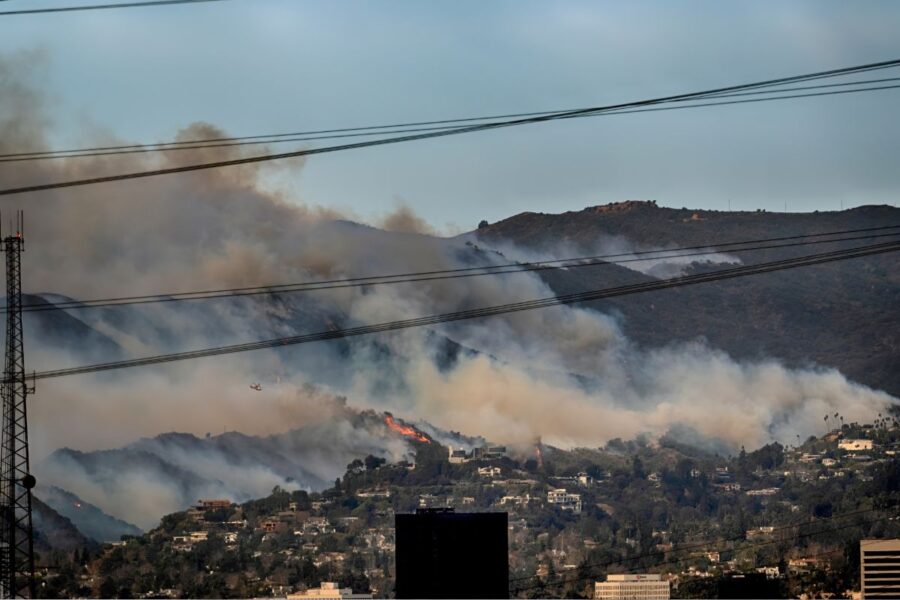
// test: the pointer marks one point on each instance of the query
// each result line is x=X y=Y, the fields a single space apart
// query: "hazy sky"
x=261 y=66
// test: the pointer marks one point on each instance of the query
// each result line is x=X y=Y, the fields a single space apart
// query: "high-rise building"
x=632 y=587
x=444 y=554
x=879 y=566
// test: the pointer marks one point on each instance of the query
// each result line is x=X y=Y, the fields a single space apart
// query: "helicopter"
x=256 y=387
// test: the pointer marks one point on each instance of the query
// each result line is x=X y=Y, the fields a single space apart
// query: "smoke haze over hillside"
x=523 y=379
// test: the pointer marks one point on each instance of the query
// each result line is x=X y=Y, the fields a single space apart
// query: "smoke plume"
x=510 y=379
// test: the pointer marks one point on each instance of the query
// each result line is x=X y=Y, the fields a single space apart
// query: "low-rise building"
x=633 y=587
x=374 y=493
x=457 y=457
x=760 y=532
x=855 y=445
x=729 y=487
x=214 y=503
x=489 y=471
x=520 y=500
x=802 y=565
x=763 y=492
x=328 y=590
x=488 y=452
x=565 y=500
x=769 y=572
x=273 y=526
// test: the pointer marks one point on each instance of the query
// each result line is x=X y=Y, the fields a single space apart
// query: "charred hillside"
x=778 y=315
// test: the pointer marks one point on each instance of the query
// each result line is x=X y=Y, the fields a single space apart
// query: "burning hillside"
x=405 y=430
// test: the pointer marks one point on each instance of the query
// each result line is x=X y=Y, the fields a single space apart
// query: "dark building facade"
x=445 y=554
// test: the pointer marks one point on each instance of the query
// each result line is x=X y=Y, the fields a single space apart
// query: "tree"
x=637 y=468
x=373 y=462
x=483 y=224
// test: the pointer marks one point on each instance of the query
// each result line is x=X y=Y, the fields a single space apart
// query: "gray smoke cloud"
x=517 y=377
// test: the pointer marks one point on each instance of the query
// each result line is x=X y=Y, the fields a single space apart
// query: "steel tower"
x=16 y=481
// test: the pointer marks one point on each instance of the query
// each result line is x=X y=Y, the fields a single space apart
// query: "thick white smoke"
x=515 y=378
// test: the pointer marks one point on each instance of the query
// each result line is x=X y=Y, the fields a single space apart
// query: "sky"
x=266 y=66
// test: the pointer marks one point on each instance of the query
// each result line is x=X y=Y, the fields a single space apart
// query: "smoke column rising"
x=513 y=382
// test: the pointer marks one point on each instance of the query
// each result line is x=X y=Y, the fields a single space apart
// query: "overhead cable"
x=465 y=272
x=566 y=299
x=60 y=9
x=460 y=130
x=279 y=138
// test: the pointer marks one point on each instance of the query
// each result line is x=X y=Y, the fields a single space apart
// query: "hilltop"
x=754 y=318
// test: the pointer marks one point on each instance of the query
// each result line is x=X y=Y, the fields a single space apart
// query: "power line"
x=32 y=11
x=466 y=129
x=813 y=77
x=278 y=138
x=434 y=132
x=490 y=311
x=466 y=272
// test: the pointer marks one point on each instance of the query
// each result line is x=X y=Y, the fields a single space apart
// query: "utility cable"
x=566 y=299
x=456 y=131
x=299 y=136
x=59 y=9
x=465 y=272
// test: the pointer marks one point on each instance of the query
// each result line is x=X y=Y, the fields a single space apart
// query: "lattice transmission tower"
x=16 y=480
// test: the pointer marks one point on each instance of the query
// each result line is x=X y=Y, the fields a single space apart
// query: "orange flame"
x=405 y=429
x=539 y=454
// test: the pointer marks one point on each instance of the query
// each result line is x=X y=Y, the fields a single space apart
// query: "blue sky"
x=260 y=66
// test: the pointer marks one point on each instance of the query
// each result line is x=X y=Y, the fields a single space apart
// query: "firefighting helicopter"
x=256 y=387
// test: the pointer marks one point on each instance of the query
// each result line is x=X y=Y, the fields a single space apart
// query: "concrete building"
x=879 y=567
x=329 y=590
x=632 y=587
x=563 y=499
x=488 y=452
x=855 y=445
x=489 y=471
x=457 y=457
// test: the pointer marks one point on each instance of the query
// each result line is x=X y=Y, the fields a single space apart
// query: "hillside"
x=54 y=533
x=700 y=519
x=778 y=315
x=87 y=518
x=143 y=481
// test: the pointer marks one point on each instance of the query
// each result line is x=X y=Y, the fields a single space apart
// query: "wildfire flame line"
x=405 y=430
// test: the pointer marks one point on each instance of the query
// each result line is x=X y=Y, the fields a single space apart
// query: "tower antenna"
x=16 y=480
